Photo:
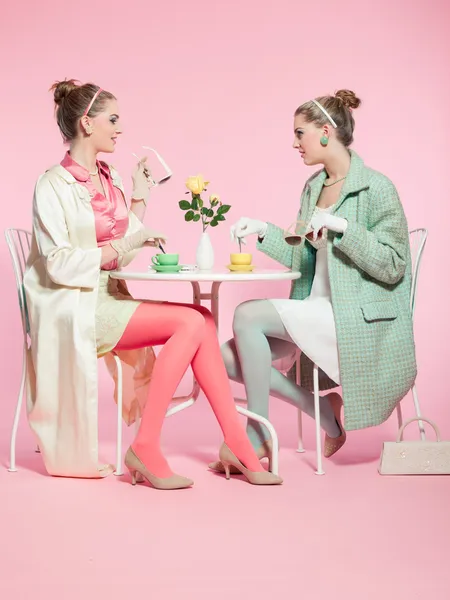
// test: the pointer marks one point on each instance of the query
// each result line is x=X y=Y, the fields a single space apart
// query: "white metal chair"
x=19 y=243
x=418 y=238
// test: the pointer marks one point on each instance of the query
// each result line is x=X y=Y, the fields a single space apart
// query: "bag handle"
x=432 y=423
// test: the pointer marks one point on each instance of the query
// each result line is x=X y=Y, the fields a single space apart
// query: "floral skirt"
x=115 y=307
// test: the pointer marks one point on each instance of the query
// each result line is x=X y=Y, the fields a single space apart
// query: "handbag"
x=422 y=457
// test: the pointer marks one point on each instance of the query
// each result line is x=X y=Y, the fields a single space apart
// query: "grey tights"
x=260 y=338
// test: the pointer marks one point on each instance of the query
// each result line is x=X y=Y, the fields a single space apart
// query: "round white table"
x=216 y=277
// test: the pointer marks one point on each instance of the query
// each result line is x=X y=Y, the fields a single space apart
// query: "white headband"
x=94 y=98
x=328 y=116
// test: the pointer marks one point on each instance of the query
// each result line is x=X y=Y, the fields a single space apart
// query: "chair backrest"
x=19 y=244
x=417 y=241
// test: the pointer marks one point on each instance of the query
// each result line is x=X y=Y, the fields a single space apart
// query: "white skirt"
x=310 y=322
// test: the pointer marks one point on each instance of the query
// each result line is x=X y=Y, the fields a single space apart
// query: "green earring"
x=324 y=140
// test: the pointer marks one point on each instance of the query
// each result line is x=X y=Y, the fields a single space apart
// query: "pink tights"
x=189 y=336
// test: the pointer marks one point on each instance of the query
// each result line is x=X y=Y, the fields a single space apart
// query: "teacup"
x=165 y=260
x=241 y=258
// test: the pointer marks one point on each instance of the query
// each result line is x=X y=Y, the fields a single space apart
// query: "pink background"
x=213 y=86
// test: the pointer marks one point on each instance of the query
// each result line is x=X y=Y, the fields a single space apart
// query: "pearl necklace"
x=96 y=172
x=334 y=182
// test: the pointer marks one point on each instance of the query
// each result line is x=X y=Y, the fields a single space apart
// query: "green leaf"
x=205 y=211
x=220 y=218
x=223 y=209
x=184 y=205
x=214 y=223
x=210 y=213
x=200 y=202
x=196 y=218
x=194 y=204
x=189 y=215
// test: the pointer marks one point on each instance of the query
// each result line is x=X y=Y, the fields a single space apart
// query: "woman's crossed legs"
x=188 y=336
x=260 y=338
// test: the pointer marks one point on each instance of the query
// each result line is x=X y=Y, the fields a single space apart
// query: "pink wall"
x=213 y=87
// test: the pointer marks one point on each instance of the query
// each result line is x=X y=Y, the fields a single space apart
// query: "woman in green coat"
x=349 y=312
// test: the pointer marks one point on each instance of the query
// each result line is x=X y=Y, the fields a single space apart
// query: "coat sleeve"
x=134 y=224
x=65 y=264
x=381 y=249
x=273 y=245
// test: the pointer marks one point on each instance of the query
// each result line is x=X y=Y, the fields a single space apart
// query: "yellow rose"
x=214 y=198
x=196 y=184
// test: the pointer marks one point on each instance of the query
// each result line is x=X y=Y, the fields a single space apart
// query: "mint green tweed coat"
x=370 y=280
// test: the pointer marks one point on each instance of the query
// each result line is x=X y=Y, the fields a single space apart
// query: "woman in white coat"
x=82 y=229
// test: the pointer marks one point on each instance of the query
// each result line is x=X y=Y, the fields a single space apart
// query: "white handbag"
x=416 y=457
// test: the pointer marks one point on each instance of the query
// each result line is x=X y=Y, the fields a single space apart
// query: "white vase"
x=205 y=254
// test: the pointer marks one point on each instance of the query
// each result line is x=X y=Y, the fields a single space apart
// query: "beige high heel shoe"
x=264 y=451
x=228 y=459
x=332 y=445
x=137 y=468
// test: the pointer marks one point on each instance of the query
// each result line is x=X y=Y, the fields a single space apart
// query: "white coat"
x=61 y=285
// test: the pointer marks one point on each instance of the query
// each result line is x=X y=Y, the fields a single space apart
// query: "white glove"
x=142 y=181
x=245 y=227
x=134 y=241
x=323 y=220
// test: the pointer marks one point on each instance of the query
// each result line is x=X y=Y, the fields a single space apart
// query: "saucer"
x=242 y=268
x=166 y=268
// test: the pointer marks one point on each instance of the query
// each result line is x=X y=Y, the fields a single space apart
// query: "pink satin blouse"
x=110 y=210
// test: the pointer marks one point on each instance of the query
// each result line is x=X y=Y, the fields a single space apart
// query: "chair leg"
x=119 y=470
x=320 y=470
x=15 y=427
x=270 y=429
x=418 y=412
x=300 y=447
x=399 y=415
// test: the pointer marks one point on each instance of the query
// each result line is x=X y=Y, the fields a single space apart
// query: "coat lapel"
x=81 y=190
x=356 y=180
x=313 y=190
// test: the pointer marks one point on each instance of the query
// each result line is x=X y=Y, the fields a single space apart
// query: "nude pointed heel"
x=264 y=451
x=137 y=470
x=227 y=470
x=332 y=445
x=133 y=474
x=229 y=459
x=136 y=477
